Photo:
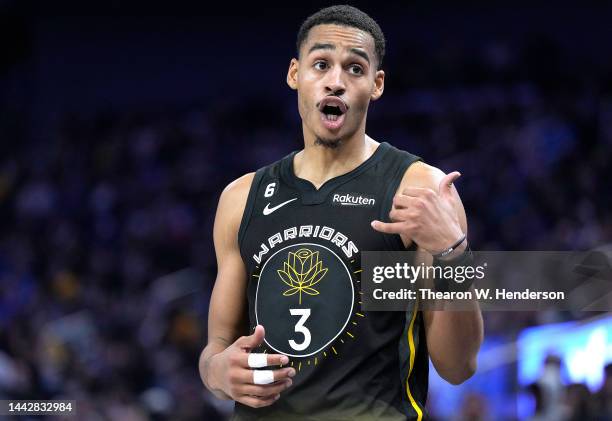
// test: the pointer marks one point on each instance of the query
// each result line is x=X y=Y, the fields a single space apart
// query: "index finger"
x=388 y=227
x=259 y=360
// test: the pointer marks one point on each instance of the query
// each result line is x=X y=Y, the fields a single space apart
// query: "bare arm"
x=223 y=362
x=227 y=311
x=453 y=337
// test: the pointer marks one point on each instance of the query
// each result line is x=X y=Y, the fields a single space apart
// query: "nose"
x=335 y=82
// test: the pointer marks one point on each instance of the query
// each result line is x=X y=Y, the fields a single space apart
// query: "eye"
x=356 y=69
x=320 y=65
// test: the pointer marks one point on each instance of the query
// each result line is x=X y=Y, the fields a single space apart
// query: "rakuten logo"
x=352 y=199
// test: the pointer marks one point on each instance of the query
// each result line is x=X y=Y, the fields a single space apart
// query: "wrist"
x=208 y=373
x=462 y=260
x=210 y=378
x=455 y=249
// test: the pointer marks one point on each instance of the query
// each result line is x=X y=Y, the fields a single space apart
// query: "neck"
x=318 y=163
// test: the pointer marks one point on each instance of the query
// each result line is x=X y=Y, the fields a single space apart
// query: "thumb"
x=255 y=339
x=445 y=186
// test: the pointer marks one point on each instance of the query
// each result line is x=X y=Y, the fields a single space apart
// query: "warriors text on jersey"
x=301 y=248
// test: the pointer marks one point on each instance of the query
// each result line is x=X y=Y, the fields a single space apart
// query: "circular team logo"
x=304 y=299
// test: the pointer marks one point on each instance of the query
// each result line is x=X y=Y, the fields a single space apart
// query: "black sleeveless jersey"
x=301 y=248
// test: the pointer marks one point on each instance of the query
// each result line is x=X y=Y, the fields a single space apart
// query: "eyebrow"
x=320 y=46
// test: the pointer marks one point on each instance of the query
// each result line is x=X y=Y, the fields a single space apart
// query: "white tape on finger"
x=263 y=377
x=258 y=360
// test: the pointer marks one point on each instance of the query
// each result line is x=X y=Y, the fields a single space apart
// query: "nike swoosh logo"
x=268 y=210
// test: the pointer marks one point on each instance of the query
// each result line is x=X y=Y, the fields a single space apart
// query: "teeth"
x=332 y=117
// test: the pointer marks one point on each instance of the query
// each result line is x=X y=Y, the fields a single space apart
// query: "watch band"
x=449 y=250
x=464 y=259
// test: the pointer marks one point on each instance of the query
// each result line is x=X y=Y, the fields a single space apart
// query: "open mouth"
x=333 y=110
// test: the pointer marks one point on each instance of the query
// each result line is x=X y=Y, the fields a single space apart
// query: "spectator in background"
x=551 y=389
x=579 y=405
x=474 y=408
x=603 y=398
x=538 y=403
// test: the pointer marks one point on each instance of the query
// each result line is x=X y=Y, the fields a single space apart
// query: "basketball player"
x=287 y=336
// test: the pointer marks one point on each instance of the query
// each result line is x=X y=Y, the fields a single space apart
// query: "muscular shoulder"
x=421 y=174
x=232 y=203
x=239 y=188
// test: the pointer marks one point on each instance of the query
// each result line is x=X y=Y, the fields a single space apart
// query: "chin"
x=331 y=143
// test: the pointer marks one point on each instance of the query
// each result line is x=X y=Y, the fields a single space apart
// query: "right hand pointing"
x=231 y=373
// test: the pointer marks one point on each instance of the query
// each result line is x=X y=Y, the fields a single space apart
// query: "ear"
x=292 y=73
x=379 y=85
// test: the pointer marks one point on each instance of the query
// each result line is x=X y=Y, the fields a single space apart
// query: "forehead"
x=343 y=37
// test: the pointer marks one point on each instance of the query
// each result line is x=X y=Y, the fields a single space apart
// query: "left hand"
x=426 y=216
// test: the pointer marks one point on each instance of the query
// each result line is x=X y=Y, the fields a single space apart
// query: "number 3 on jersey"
x=303 y=326
x=300 y=328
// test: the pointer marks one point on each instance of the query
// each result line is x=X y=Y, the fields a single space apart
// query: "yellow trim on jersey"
x=412 y=356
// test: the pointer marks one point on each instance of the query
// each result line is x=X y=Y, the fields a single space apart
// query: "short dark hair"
x=344 y=15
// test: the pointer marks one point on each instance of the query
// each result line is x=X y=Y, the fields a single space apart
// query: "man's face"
x=336 y=78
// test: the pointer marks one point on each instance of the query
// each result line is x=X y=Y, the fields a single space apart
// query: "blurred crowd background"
x=118 y=133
